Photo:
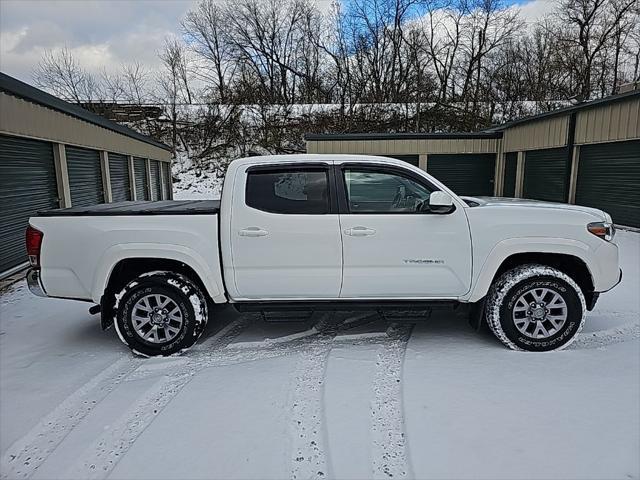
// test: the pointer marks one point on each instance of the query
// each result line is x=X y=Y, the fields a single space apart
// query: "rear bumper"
x=35 y=283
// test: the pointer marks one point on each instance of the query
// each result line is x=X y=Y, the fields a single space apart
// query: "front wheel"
x=160 y=313
x=535 y=308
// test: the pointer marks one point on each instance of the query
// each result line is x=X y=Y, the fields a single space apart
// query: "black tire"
x=511 y=293
x=183 y=294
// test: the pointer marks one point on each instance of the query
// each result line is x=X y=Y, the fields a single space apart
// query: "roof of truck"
x=164 y=207
x=318 y=157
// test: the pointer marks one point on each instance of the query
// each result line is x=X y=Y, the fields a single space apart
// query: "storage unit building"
x=588 y=154
x=55 y=154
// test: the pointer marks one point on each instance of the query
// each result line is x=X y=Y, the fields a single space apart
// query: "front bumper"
x=34 y=283
x=617 y=283
x=593 y=298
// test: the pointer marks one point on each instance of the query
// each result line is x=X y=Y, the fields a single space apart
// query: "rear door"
x=391 y=247
x=285 y=233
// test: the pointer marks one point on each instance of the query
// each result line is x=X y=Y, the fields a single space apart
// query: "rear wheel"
x=535 y=308
x=160 y=313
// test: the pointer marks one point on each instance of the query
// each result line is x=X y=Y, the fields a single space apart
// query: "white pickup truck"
x=333 y=232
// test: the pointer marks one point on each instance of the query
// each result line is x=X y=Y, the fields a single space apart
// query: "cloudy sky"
x=103 y=33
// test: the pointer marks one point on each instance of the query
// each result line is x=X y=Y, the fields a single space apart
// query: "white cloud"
x=101 y=34
x=536 y=10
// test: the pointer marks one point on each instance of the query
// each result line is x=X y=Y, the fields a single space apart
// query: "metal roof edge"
x=565 y=110
x=19 y=89
x=401 y=136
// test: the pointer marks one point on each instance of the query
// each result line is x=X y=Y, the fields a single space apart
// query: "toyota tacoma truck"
x=340 y=232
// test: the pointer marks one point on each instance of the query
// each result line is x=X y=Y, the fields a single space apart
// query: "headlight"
x=604 y=230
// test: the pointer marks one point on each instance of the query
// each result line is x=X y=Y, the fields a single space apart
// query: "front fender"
x=210 y=275
x=483 y=277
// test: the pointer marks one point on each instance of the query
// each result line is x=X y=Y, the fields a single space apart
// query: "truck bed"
x=163 y=207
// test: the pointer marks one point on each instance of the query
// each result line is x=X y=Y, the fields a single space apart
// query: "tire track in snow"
x=387 y=418
x=102 y=456
x=308 y=442
x=309 y=451
x=27 y=454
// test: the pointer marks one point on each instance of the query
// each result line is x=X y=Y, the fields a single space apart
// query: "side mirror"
x=441 y=203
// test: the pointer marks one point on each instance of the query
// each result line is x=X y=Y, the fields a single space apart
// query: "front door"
x=285 y=234
x=392 y=246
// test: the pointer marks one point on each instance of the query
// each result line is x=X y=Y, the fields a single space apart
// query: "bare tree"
x=173 y=83
x=206 y=30
x=589 y=27
x=59 y=72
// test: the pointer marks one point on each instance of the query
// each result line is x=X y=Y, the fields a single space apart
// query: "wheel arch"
x=130 y=268
x=567 y=256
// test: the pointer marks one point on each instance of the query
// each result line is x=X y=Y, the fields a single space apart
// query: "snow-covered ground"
x=192 y=187
x=346 y=396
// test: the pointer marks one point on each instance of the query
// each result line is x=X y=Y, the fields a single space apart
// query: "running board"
x=344 y=305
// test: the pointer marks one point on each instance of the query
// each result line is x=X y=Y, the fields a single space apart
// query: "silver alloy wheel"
x=156 y=318
x=540 y=313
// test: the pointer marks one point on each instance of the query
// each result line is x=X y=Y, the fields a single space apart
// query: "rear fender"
x=210 y=275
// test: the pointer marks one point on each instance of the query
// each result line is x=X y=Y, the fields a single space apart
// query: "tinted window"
x=383 y=192
x=289 y=191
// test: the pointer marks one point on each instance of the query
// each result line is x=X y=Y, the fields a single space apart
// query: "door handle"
x=359 y=232
x=253 y=232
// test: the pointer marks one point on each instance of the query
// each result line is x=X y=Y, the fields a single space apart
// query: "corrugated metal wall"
x=27 y=184
x=119 y=173
x=545 y=133
x=411 y=159
x=608 y=123
x=85 y=176
x=20 y=117
x=404 y=147
x=142 y=183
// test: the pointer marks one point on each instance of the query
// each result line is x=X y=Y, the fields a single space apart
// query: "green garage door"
x=85 y=176
x=119 y=173
x=609 y=179
x=27 y=184
x=142 y=183
x=546 y=175
x=465 y=174
x=154 y=172
x=510 y=166
x=412 y=159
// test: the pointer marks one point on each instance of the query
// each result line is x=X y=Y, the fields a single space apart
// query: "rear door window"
x=294 y=191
